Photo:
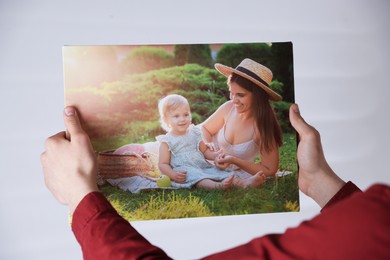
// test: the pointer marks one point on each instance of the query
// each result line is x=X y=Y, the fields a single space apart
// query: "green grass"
x=275 y=195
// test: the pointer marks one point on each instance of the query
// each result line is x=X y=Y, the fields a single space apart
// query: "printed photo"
x=188 y=130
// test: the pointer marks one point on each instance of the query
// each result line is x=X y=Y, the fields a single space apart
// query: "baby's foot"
x=226 y=183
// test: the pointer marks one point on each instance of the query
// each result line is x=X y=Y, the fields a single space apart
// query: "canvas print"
x=188 y=130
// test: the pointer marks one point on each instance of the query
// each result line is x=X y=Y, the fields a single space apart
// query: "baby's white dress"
x=186 y=156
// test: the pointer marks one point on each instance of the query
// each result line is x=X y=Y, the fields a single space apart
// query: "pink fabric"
x=130 y=149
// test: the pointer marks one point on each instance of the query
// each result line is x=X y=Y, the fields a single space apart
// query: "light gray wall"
x=341 y=76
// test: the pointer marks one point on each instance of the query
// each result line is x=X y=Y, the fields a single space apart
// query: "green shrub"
x=141 y=131
x=277 y=86
x=282 y=113
x=126 y=110
x=144 y=59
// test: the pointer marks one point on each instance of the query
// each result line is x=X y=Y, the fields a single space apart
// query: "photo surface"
x=141 y=167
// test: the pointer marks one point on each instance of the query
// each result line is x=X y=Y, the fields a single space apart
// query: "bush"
x=126 y=110
x=282 y=113
x=144 y=59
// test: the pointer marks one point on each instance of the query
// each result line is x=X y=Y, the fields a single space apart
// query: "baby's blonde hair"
x=170 y=103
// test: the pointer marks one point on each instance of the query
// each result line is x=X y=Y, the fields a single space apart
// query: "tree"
x=193 y=53
x=181 y=54
x=144 y=59
x=232 y=54
x=200 y=54
x=282 y=68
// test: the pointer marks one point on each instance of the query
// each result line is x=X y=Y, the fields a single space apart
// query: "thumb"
x=72 y=122
x=297 y=121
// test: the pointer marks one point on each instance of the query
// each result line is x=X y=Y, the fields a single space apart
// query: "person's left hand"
x=222 y=160
x=69 y=163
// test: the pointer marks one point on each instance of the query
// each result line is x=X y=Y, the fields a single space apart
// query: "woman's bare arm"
x=215 y=122
x=268 y=164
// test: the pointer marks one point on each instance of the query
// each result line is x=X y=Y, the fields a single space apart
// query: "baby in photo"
x=183 y=155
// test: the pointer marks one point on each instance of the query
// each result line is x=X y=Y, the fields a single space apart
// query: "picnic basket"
x=111 y=165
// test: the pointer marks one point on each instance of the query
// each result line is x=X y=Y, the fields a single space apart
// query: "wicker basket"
x=111 y=166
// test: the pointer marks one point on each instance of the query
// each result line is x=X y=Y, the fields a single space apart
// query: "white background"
x=341 y=59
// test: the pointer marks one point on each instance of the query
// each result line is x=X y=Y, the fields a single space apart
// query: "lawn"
x=275 y=195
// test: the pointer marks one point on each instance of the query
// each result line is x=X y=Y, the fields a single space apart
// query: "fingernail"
x=296 y=108
x=69 y=111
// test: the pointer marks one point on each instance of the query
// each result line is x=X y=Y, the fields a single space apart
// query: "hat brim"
x=227 y=71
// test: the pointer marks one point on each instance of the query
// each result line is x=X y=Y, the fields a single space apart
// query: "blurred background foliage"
x=117 y=88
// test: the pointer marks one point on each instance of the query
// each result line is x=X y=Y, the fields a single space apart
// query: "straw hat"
x=253 y=71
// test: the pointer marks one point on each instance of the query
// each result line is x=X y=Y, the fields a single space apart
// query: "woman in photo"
x=246 y=125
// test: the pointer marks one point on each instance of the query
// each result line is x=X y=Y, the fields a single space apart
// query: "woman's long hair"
x=266 y=121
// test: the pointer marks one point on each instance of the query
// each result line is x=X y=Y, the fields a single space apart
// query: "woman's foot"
x=251 y=182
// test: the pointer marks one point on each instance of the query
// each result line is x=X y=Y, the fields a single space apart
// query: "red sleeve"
x=357 y=227
x=347 y=190
x=103 y=234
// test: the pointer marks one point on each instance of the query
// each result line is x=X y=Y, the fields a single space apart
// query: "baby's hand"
x=180 y=177
x=211 y=147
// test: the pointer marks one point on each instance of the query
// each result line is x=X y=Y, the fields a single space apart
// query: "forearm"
x=209 y=155
x=103 y=234
x=207 y=137
x=253 y=168
x=167 y=170
x=78 y=195
x=324 y=186
x=358 y=219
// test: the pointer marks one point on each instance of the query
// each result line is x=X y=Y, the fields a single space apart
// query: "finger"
x=298 y=122
x=54 y=140
x=72 y=122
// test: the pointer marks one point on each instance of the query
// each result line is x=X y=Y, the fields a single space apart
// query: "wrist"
x=78 y=196
x=232 y=160
x=324 y=187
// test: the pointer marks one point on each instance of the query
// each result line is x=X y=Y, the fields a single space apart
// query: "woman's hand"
x=222 y=161
x=69 y=162
x=316 y=178
x=179 y=176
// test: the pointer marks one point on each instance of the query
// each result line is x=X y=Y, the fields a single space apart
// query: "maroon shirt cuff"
x=347 y=190
x=92 y=204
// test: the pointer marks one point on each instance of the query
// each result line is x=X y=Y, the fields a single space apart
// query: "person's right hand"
x=179 y=177
x=69 y=163
x=212 y=147
x=219 y=161
x=316 y=178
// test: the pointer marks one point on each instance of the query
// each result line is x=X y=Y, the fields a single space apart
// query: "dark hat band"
x=253 y=75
